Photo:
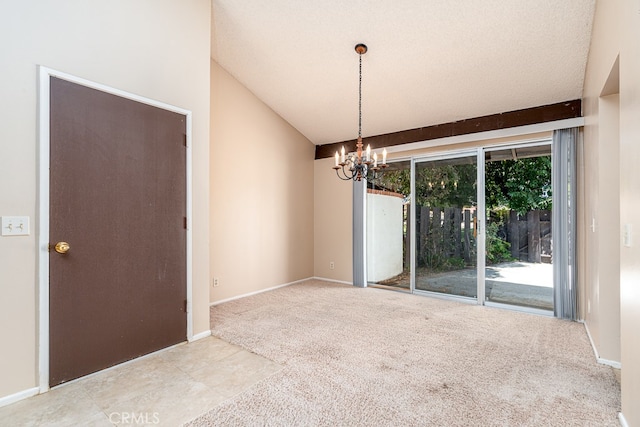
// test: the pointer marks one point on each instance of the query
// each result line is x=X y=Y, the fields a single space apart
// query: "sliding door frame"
x=479 y=152
x=480 y=241
x=516 y=145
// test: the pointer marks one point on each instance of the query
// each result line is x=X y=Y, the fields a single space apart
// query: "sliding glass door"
x=519 y=246
x=473 y=225
x=445 y=224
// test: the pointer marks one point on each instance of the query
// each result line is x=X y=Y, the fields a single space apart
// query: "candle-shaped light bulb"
x=343 y=158
x=368 y=153
x=375 y=160
x=337 y=158
x=384 y=156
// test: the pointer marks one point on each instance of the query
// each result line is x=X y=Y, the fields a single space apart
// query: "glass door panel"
x=518 y=233
x=445 y=225
x=388 y=228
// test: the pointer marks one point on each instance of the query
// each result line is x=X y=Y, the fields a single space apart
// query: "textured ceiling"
x=429 y=61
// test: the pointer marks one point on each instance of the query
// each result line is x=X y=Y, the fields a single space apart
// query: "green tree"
x=521 y=185
x=436 y=185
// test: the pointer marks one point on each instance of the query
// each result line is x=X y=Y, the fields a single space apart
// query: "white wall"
x=261 y=194
x=384 y=236
x=158 y=49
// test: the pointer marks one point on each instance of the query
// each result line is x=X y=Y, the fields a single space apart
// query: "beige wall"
x=600 y=278
x=261 y=194
x=616 y=31
x=630 y=209
x=158 y=49
x=332 y=223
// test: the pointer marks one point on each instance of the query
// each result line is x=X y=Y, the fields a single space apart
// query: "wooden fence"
x=530 y=236
x=446 y=235
x=443 y=234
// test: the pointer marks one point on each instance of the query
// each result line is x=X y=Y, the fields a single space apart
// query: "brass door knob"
x=62 y=247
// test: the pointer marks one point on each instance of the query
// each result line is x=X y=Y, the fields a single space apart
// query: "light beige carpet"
x=371 y=357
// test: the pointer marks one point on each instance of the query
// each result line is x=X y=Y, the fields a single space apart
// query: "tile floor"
x=167 y=388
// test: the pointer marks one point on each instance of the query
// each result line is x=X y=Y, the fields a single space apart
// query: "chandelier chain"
x=360 y=98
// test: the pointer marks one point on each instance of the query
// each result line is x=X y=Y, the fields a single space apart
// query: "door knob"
x=62 y=247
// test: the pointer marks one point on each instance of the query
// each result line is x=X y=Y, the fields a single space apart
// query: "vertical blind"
x=564 y=222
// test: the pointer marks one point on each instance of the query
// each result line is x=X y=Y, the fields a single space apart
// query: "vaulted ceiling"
x=429 y=61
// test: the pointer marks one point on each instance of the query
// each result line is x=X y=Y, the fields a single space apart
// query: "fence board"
x=457 y=224
x=467 y=236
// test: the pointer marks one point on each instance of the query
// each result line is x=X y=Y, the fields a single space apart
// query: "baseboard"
x=593 y=345
x=200 y=336
x=611 y=363
x=599 y=359
x=258 y=292
x=623 y=421
x=13 y=398
x=324 y=279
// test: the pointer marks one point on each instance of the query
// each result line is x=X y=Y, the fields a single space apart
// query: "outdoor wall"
x=616 y=30
x=261 y=194
x=384 y=236
x=158 y=49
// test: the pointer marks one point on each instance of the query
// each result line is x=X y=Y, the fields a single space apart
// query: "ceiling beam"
x=527 y=116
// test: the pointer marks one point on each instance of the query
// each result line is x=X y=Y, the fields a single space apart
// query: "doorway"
x=518 y=234
x=462 y=226
x=114 y=279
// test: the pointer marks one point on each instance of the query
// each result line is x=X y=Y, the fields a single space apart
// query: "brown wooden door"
x=118 y=197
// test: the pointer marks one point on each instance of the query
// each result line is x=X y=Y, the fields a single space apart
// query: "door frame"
x=515 y=145
x=43 y=122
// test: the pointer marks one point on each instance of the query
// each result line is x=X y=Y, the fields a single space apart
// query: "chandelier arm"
x=344 y=174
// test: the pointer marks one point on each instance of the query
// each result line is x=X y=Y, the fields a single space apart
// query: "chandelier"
x=359 y=165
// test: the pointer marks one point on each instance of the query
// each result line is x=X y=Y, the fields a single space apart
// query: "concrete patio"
x=515 y=283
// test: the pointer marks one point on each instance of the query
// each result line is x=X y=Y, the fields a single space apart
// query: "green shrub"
x=497 y=249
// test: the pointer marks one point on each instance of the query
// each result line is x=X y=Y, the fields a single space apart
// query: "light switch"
x=15 y=225
x=626 y=235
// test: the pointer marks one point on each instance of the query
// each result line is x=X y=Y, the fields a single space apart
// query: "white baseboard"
x=257 y=292
x=13 y=398
x=599 y=359
x=611 y=363
x=623 y=421
x=593 y=345
x=200 y=336
x=324 y=279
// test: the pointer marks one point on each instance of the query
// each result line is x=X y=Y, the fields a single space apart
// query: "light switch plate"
x=626 y=235
x=15 y=225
